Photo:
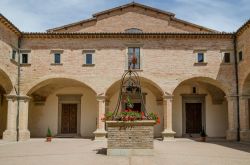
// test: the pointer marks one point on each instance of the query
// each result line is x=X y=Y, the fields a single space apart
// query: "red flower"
x=158 y=121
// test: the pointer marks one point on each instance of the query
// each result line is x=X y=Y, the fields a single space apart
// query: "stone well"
x=130 y=137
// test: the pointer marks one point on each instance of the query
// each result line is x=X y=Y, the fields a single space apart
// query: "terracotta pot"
x=48 y=139
x=203 y=139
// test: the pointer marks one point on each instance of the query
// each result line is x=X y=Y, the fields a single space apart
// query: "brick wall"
x=166 y=62
x=130 y=135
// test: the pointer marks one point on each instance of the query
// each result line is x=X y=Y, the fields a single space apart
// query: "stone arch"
x=152 y=94
x=209 y=102
x=207 y=80
x=5 y=81
x=6 y=87
x=53 y=102
x=154 y=87
x=48 y=79
x=245 y=85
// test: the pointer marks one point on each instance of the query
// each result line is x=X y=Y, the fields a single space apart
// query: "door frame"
x=69 y=99
x=193 y=98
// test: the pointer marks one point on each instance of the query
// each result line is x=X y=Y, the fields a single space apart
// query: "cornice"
x=10 y=25
x=128 y=35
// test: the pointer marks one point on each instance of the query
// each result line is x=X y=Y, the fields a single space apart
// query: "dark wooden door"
x=69 y=118
x=193 y=117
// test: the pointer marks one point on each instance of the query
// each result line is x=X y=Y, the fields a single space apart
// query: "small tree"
x=49 y=134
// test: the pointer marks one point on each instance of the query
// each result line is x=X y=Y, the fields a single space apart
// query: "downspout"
x=237 y=87
x=18 y=88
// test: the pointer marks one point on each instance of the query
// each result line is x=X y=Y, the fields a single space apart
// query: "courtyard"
x=85 y=151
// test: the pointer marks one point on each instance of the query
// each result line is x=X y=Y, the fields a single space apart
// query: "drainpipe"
x=237 y=87
x=18 y=88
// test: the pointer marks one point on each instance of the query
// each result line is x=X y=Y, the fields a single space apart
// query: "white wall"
x=43 y=116
x=216 y=114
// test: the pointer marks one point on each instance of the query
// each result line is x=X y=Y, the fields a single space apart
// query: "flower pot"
x=203 y=139
x=48 y=139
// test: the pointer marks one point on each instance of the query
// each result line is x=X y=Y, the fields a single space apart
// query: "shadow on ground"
x=102 y=151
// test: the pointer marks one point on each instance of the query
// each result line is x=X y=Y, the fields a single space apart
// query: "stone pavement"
x=88 y=152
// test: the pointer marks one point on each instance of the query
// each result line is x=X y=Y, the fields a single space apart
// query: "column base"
x=100 y=135
x=232 y=135
x=24 y=135
x=10 y=135
x=168 y=135
x=245 y=135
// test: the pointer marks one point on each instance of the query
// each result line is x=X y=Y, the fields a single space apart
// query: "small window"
x=13 y=56
x=24 y=58
x=240 y=56
x=57 y=58
x=89 y=59
x=134 y=58
x=200 y=57
x=194 y=91
x=227 y=58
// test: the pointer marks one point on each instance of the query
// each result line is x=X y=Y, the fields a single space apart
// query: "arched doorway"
x=200 y=103
x=67 y=106
x=152 y=95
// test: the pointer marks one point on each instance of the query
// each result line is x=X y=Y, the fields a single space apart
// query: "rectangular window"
x=13 y=57
x=240 y=56
x=227 y=58
x=200 y=57
x=89 y=59
x=133 y=58
x=57 y=58
x=24 y=58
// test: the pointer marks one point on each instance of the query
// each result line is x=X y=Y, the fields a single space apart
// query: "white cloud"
x=39 y=15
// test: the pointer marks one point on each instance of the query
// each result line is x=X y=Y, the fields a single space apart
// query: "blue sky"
x=40 y=15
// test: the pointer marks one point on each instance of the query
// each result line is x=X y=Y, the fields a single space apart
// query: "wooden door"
x=69 y=118
x=193 y=117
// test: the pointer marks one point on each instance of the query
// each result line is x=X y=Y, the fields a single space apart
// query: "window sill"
x=56 y=64
x=200 y=63
x=135 y=70
x=25 y=65
x=88 y=65
x=14 y=61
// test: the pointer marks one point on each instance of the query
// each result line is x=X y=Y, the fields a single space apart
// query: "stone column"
x=168 y=133
x=10 y=134
x=100 y=133
x=244 y=118
x=232 y=118
x=24 y=133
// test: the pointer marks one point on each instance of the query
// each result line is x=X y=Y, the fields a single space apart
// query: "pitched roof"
x=9 y=24
x=133 y=4
x=243 y=28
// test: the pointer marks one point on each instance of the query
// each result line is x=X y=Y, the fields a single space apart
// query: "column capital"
x=16 y=97
x=11 y=97
x=101 y=97
x=24 y=98
x=168 y=97
x=244 y=97
x=231 y=97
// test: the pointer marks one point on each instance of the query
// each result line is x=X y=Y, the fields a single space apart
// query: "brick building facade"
x=67 y=77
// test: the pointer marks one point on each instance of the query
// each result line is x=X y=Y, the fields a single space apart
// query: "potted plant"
x=203 y=135
x=49 y=135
